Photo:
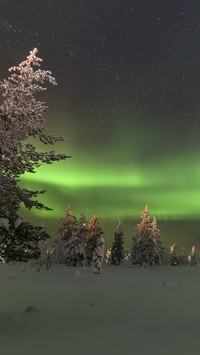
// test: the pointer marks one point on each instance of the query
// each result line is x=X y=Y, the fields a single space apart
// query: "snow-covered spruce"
x=68 y=225
x=174 y=258
x=20 y=242
x=98 y=255
x=147 y=247
x=69 y=248
x=21 y=117
x=193 y=257
x=117 y=250
x=94 y=231
x=75 y=252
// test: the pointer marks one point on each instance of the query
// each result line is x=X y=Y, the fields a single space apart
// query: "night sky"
x=127 y=102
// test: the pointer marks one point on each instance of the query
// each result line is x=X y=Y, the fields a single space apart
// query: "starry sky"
x=127 y=102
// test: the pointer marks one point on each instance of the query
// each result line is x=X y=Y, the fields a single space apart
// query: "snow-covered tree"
x=108 y=255
x=20 y=242
x=75 y=247
x=174 y=259
x=98 y=254
x=58 y=252
x=117 y=250
x=68 y=225
x=75 y=252
x=69 y=248
x=183 y=257
x=68 y=230
x=94 y=231
x=193 y=257
x=156 y=237
x=21 y=118
x=147 y=249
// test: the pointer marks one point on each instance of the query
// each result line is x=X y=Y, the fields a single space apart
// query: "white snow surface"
x=4 y=223
x=123 y=310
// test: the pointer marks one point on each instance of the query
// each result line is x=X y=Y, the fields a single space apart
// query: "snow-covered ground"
x=121 y=311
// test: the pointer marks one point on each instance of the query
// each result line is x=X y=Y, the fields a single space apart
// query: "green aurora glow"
x=170 y=188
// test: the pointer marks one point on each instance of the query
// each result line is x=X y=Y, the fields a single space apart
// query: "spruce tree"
x=117 y=250
x=20 y=243
x=21 y=118
x=147 y=249
x=75 y=252
x=98 y=254
x=174 y=259
x=193 y=257
x=159 y=255
x=67 y=232
x=69 y=248
x=94 y=232
x=68 y=226
x=75 y=248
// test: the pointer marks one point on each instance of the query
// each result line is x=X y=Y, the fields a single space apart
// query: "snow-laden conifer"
x=174 y=259
x=158 y=246
x=21 y=118
x=98 y=254
x=75 y=248
x=68 y=225
x=75 y=252
x=117 y=250
x=94 y=231
x=193 y=256
x=147 y=249
x=69 y=248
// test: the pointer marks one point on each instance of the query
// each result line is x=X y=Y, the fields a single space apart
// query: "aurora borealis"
x=127 y=101
x=169 y=188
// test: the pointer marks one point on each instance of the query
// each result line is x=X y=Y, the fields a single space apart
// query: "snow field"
x=124 y=310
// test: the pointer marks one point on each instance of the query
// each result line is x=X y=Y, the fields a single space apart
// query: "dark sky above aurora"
x=127 y=101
